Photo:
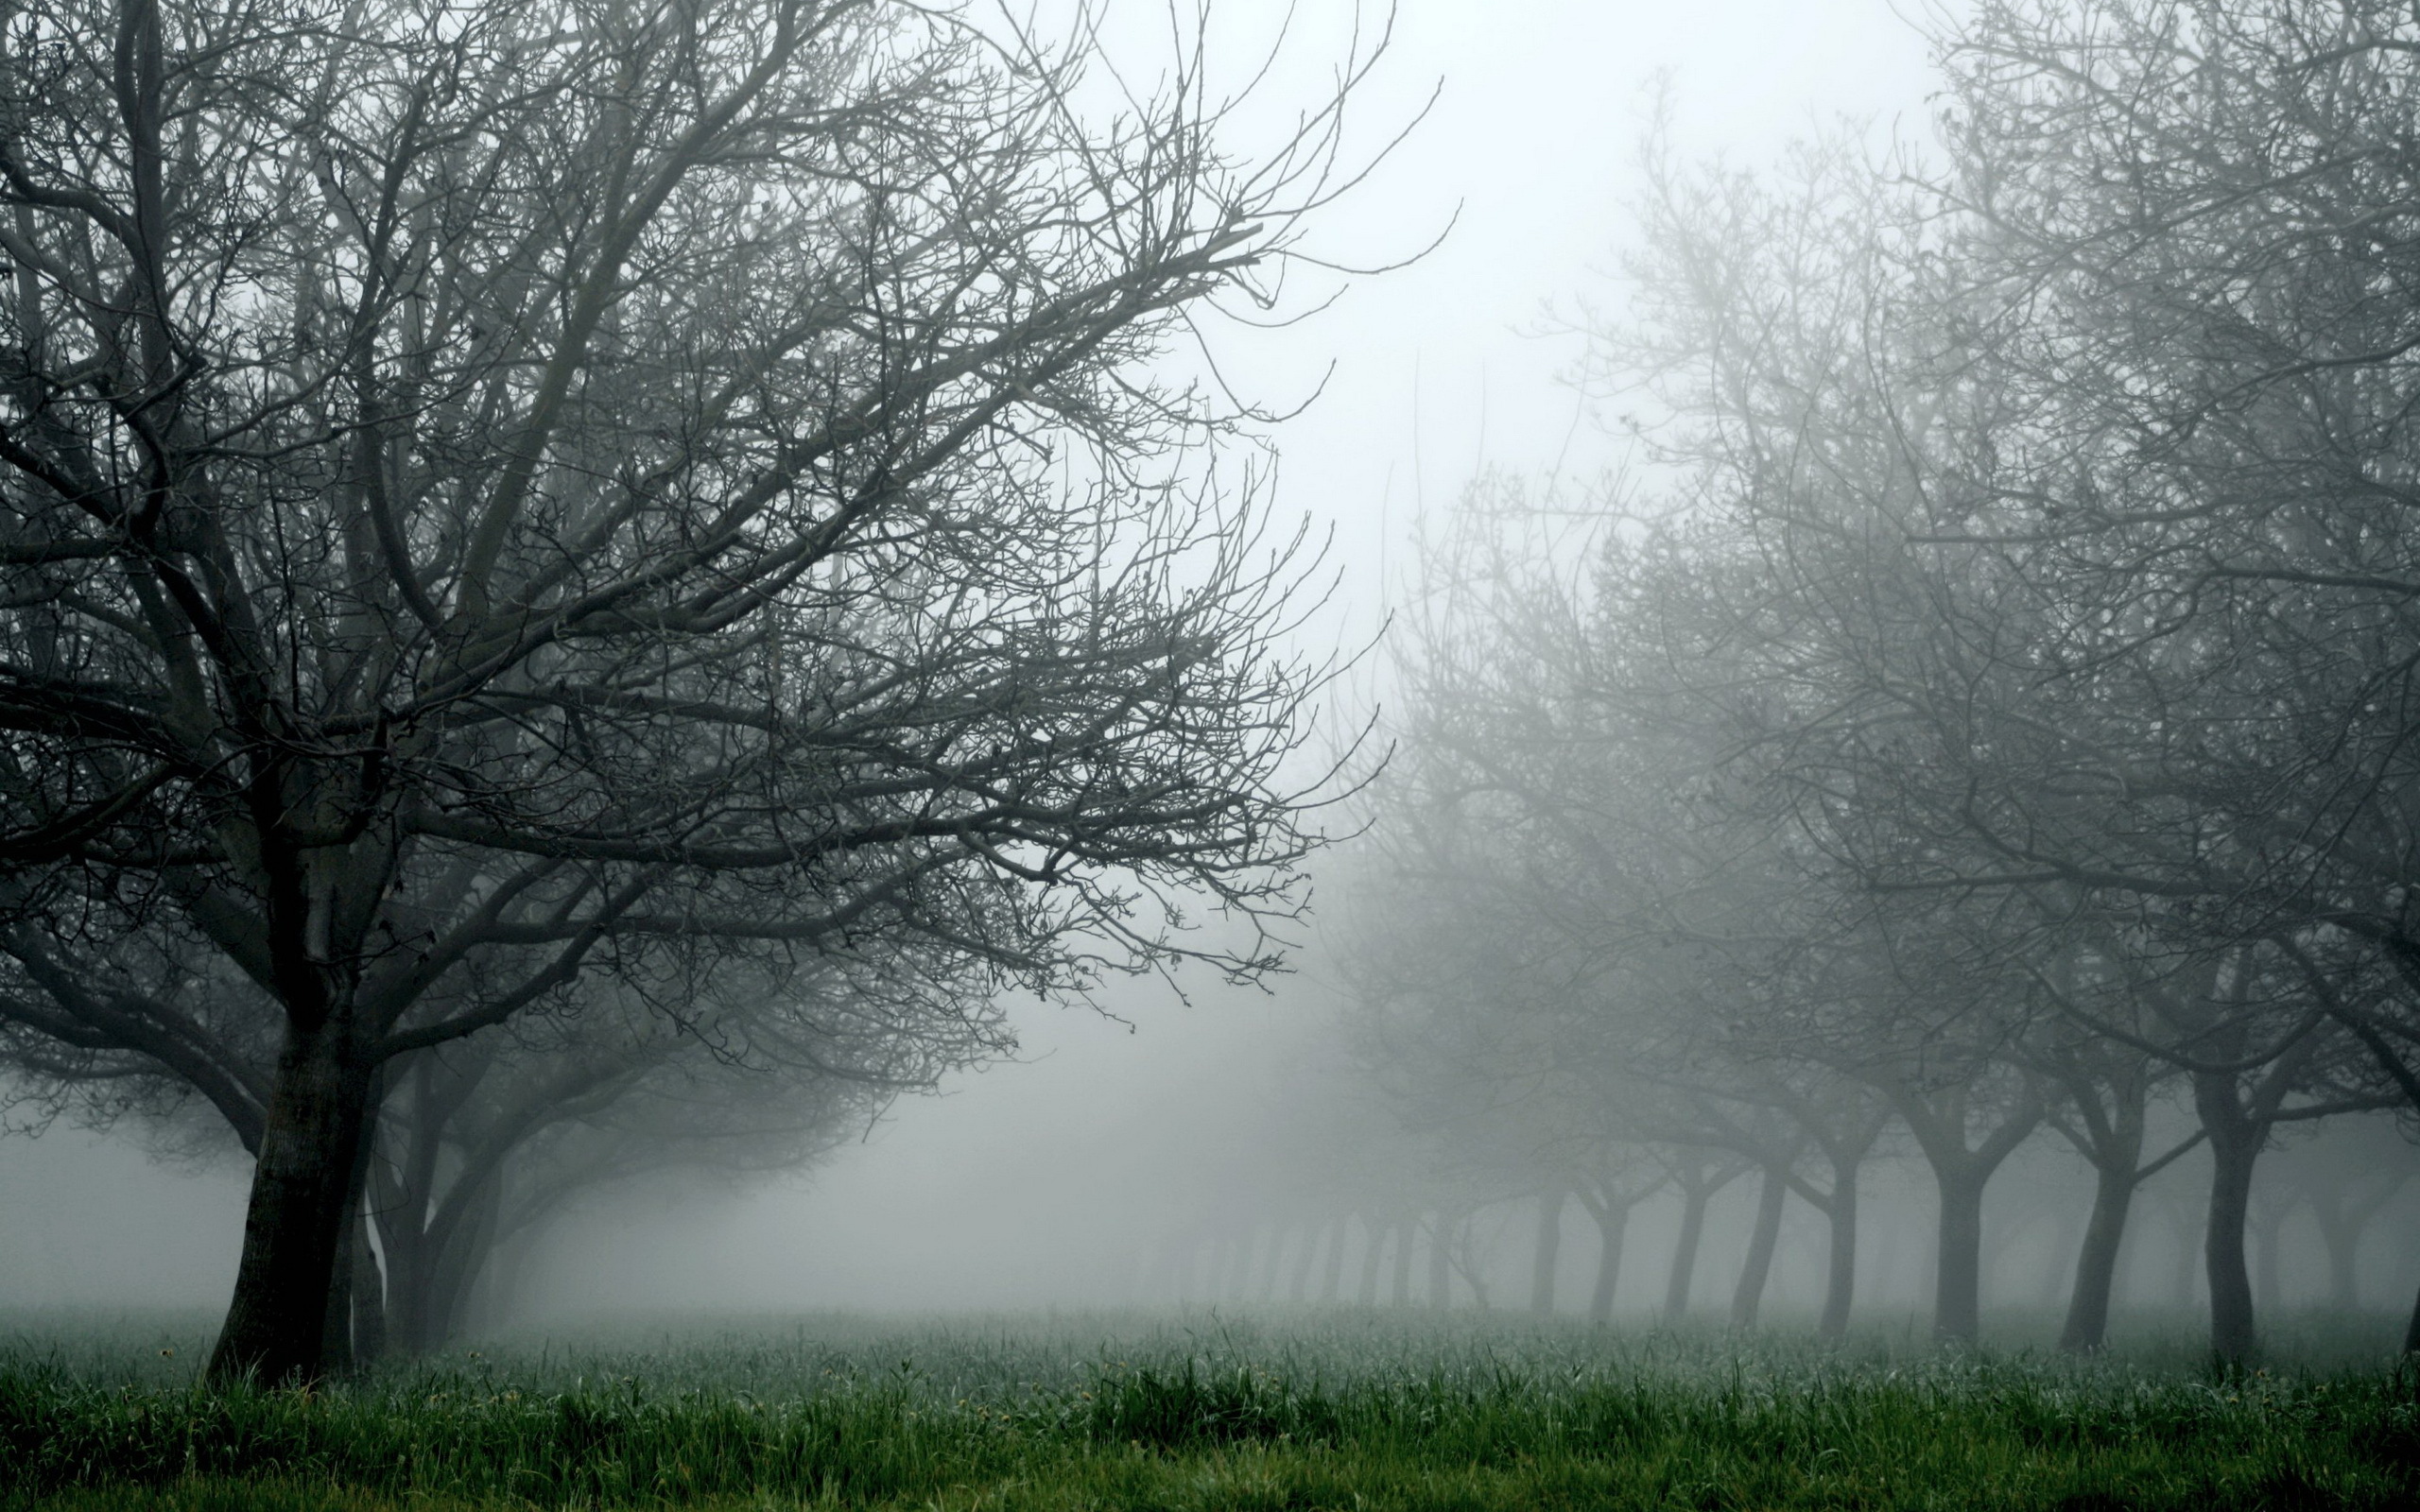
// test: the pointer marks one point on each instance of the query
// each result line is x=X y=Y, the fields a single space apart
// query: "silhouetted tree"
x=498 y=495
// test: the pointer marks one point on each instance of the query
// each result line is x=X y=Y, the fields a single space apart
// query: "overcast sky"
x=1003 y=1190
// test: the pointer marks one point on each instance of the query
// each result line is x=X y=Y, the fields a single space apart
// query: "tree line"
x=1986 y=709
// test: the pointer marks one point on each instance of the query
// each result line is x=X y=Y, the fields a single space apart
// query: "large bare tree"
x=496 y=493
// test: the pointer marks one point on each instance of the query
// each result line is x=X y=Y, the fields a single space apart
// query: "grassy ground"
x=1310 y=1409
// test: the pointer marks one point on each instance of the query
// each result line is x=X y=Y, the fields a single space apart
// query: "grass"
x=1338 y=1408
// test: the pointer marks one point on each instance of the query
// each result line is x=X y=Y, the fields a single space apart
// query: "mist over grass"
x=1307 y=1407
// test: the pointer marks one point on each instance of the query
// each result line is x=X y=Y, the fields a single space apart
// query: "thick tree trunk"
x=1407 y=1229
x=1685 y=1253
x=1941 y=1122
x=1839 y=1271
x=295 y=1221
x=1548 y=1252
x=2088 y=1324
x=1373 y=1241
x=335 y=1319
x=1958 y=1272
x=2234 y=1335
x=1757 y=1270
x=1333 y=1281
x=338 y=1347
x=1612 y=1222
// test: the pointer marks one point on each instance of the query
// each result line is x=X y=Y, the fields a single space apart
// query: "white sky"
x=993 y=1195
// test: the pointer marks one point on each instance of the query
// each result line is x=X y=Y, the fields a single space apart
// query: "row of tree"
x=1990 y=705
x=586 y=583
x=1503 y=1236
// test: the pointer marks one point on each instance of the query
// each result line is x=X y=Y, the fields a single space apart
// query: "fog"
x=1170 y=1144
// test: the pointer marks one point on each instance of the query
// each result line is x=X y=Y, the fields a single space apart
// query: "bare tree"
x=497 y=495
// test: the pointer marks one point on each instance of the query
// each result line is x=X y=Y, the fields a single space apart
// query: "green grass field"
x=1342 y=1408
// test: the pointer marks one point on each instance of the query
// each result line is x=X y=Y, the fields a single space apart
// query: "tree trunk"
x=1333 y=1282
x=369 y=1299
x=1375 y=1239
x=1958 y=1272
x=2341 y=1229
x=1548 y=1252
x=1839 y=1271
x=1407 y=1229
x=458 y=1266
x=2232 y=1331
x=295 y=1219
x=1611 y=1221
x=1961 y=1173
x=349 y=1289
x=1298 y=1286
x=408 y=1205
x=2087 y=1325
x=336 y=1318
x=2411 y=1329
x=2267 y=1285
x=1685 y=1253
x=1757 y=1269
x=1441 y=1261
x=2181 y=1289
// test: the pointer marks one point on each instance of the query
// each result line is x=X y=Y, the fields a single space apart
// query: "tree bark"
x=1757 y=1270
x=335 y=1317
x=1548 y=1252
x=295 y=1217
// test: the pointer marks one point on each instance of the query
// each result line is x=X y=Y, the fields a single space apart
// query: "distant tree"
x=2188 y=224
x=480 y=1142
x=483 y=1143
x=498 y=495
x=2002 y=748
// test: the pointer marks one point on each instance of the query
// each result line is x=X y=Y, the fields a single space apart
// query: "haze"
x=1109 y=1162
